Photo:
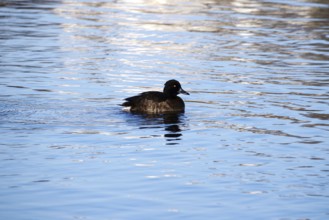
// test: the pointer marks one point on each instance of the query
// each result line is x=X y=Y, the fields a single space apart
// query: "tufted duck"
x=158 y=102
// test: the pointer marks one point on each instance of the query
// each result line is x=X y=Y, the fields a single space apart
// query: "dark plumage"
x=158 y=102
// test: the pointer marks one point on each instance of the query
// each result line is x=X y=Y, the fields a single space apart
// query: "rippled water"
x=253 y=142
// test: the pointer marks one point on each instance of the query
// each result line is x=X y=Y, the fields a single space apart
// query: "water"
x=253 y=142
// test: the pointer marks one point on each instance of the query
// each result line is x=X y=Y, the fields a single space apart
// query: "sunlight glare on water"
x=252 y=143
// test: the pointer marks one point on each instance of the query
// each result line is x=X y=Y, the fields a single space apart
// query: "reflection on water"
x=253 y=141
x=169 y=124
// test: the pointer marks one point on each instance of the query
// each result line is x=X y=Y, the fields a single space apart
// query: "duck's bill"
x=182 y=91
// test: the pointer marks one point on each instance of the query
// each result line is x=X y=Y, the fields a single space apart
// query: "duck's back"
x=154 y=102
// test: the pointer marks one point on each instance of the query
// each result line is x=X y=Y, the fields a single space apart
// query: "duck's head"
x=173 y=88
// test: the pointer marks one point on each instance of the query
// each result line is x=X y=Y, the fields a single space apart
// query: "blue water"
x=252 y=144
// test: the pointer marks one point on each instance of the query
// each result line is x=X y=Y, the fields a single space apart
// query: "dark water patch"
x=318 y=116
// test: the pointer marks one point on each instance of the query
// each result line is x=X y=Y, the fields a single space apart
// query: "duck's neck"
x=170 y=95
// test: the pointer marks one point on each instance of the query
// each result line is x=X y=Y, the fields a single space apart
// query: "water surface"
x=253 y=142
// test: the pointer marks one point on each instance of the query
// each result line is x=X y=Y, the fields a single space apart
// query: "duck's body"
x=158 y=102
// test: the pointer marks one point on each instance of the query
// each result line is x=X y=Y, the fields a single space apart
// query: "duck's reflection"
x=174 y=132
x=170 y=123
